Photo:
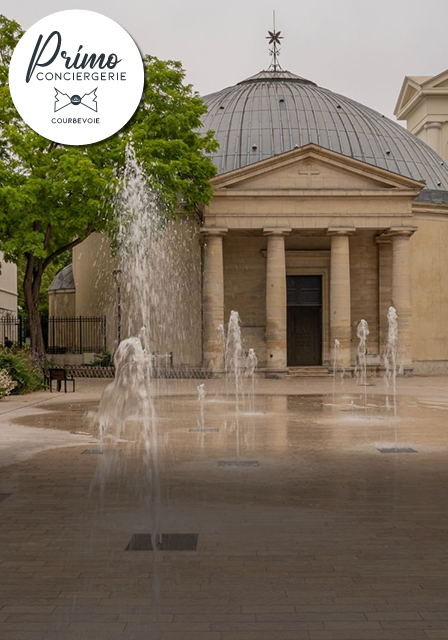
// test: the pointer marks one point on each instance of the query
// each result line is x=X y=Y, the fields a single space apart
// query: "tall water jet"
x=362 y=333
x=390 y=357
x=148 y=260
x=337 y=365
x=233 y=356
x=201 y=403
x=222 y=340
x=251 y=365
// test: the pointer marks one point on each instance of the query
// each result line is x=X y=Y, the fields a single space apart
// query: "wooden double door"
x=304 y=320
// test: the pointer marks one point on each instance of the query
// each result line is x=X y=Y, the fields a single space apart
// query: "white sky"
x=358 y=48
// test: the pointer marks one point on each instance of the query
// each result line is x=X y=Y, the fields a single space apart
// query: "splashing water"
x=222 y=340
x=337 y=365
x=390 y=357
x=362 y=332
x=251 y=365
x=150 y=247
x=233 y=356
x=201 y=403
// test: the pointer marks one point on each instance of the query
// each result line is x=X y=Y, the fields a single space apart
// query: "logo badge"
x=76 y=77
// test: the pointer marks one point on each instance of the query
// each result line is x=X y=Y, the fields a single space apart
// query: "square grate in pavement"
x=238 y=463
x=4 y=496
x=99 y=452
x=166 y=542
x=204 y=430
x=397 y=450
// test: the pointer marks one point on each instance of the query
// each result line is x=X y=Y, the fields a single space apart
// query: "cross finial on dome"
x=274 y=38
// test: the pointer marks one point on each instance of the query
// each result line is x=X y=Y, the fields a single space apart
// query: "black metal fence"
x=80 y=334
x=11 y=329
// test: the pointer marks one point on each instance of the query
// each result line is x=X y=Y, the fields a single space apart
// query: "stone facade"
x=177 y=326
x=309 y=212
x=423 y=104
x=8 y=287
x=312 y=211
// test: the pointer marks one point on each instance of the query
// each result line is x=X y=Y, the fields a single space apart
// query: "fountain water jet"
x=362 y=332
x=337 y=365
x=234 y=363
x=150 y=247
x=390 y=356
x=251 y=365
x=233 y=355
x=201 y=401
x=222 y=340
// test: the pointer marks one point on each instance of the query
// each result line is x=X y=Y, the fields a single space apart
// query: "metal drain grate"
x=204 y=430
x=397 y=450
x=238 y=463
x=99 y=452
x=4 y=496
x=166 y=542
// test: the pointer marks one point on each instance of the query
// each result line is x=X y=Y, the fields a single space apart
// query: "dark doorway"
x=304 y=320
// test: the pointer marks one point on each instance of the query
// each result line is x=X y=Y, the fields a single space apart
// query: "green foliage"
x=53 y=196
x=10 y=33
x=21 y=368
x=103 y=359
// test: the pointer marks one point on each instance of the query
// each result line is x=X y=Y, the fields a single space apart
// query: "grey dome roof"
x=64 y=280
x=276 y=111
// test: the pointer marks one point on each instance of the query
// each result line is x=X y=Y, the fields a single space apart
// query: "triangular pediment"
x=311 y=168
x=415 y=88
x=410 y=90
x=439 y=81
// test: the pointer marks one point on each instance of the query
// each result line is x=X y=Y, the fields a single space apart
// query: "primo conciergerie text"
x=44 y=55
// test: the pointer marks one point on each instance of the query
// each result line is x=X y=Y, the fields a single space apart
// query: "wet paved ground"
x=327 y=539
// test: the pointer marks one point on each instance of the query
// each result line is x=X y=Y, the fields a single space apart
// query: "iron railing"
x=11 y=328
x=80 y=334
x=179 y=373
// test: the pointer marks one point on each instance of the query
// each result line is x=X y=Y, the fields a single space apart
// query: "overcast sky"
x=358 y=48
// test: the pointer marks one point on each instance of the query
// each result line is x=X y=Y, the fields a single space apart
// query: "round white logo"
x=76 y=77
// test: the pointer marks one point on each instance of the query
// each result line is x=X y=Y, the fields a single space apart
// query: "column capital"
x=276 y=231
x=341 y=231
x=432 y=125
x=401 y=232
x=213 y=232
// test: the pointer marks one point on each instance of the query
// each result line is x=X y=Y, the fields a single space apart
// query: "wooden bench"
x=60 y=376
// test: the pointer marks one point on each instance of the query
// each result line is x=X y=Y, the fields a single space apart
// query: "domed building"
x=324 y=213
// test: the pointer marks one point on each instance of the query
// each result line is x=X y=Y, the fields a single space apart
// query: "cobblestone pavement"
x=326 y=539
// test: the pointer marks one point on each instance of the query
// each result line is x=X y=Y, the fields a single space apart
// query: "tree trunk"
x=35 y=326
x=32 y=281
x=31 y=288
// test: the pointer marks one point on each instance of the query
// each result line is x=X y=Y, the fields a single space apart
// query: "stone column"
x=213 y=299
x=402 y=289
x=340 y=300
x=433 y=135
x=276 y=312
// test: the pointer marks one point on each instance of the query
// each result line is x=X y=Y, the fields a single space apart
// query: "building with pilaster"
x=324 y=213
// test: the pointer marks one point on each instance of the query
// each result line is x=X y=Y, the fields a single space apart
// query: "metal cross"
x=274 y=38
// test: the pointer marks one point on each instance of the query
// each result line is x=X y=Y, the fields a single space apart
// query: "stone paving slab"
x=326 y=540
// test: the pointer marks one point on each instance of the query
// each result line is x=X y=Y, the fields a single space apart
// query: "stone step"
x=309 y=372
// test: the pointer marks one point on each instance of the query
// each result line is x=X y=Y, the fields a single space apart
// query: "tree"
x=52 y=197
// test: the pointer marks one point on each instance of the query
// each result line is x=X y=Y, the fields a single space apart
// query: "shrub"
x=103 y=359
x=6 y=383
x=20 y=367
